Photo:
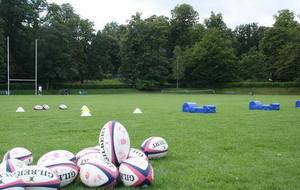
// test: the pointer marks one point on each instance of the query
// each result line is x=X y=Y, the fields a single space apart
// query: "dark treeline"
x=146 y=53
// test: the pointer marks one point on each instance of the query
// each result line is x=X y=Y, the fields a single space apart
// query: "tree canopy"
x=146 y=52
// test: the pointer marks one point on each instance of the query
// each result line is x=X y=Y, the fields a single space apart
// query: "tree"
x=21 y=21
x=64 y=45
x=284 y=31
x=210 y=61
x=285 y=19
x=215 y=21
x=289 y=61
x=247 y=37
x=184 y=17
x=145 y=62
x=104 y=50
x=252 y=66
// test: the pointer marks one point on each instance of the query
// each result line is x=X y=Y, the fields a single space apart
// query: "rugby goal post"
x=21 y=80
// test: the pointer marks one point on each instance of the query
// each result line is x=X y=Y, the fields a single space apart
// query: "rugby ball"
x=11 y=165
x=46 y=107
x=19 y=153
x=99 y=173
x=62 y=107
x=114 y=142
x=38 y=107
x=66 y=171
x=135 y=153
x=55 y=155
x=136 y=172
x=87 y=151
x=84 y=159
x=155 y=147
x=9 y=182
x=38 y=178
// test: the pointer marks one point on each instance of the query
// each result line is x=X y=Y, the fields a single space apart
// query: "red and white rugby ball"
x=56 y=155
x=11 y=165
x=114 y=142
x=19 y=153
x=136 y=153
x=9 y=182
x=155 y=147
x=136 y=172
x=66 y=171
x=38 y=178
x=99 y=173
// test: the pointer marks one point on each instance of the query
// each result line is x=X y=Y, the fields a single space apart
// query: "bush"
x=261 y=85
x=147 y=85
x=27 y=86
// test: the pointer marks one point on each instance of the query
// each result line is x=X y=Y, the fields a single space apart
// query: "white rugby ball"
x=66 y=171
x=11 y=165
x=155 y=147
x=136 y=172
x=99 y=173
x=62 y=107
x=19 y=153
x=135 y=153
x=114 y=142
x=55 y=155
x=9 y=182
x=46 y=107
x=38 y=107
x=87 y=151
x=38 y=178
x=84 y=159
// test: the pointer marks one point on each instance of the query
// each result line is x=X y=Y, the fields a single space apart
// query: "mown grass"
x=233 y=149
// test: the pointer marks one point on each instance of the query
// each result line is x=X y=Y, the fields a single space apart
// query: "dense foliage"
x=149 y=52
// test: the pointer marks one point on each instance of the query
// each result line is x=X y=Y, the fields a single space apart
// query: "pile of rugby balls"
x=99 y=166
x=41 y=107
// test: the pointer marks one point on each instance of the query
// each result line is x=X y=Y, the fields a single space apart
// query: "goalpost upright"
x=22 y=80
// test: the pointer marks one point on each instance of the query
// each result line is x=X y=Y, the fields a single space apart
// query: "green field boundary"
x=232 y=91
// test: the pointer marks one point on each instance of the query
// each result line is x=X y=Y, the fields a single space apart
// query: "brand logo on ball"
x=127 y=177
x=67 y=176
x=29 y=172
x=156 y=144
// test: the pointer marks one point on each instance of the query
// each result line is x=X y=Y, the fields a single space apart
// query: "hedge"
x=29 y=86
x=261 y=85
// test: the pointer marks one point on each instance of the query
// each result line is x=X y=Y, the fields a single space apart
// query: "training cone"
x=84 y=108
x=85 y=114
x=20 y=109
x=137 y=111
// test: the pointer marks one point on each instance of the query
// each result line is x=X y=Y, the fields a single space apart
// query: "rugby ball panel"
x=135 y=153
x=56 y=155
x=114 y=142
x=66 y=171
x=19 y=153
x=11 y=165
x=38 y=177
x=9 y=182
x=136 y=172
x=99 y=173
x=87 y=151
x=89 y=157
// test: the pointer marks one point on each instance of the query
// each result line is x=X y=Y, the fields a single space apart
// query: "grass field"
x=233 y=149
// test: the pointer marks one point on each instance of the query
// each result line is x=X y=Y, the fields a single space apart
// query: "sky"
x=235 y=12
